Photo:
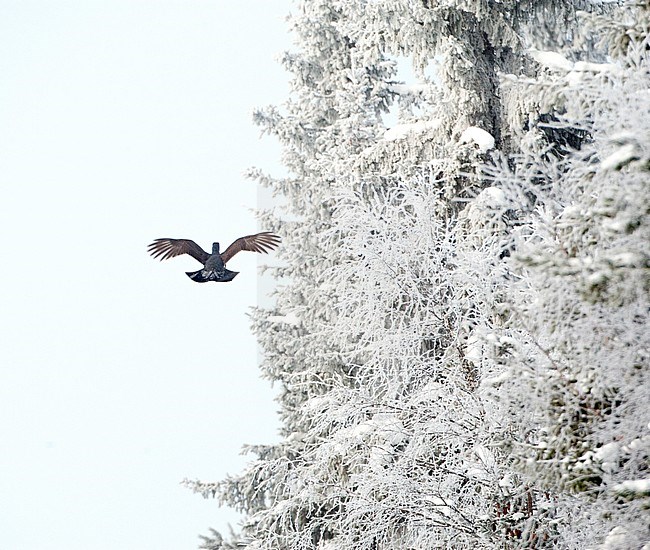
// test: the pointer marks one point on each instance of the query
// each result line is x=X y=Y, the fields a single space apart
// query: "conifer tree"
x=576 y=358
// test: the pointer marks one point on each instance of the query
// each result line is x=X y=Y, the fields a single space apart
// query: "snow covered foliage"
x=460 y=332
x=578 y=310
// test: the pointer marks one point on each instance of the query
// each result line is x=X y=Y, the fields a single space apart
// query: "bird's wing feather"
x=168 y=248
x=262 y=242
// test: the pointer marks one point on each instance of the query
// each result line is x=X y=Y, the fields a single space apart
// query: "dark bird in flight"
x=214 y=265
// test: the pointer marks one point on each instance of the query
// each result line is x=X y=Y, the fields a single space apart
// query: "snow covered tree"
x=459 y=331
x=577 y=337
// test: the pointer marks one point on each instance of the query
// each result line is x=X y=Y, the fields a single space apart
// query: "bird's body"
x=213 y=270
x=214 y=264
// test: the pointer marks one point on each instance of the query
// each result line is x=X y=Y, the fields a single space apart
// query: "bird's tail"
x=197 y=276
x=203 y=276
x=228 y=276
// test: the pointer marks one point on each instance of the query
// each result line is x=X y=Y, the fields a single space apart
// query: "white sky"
x=122 y=121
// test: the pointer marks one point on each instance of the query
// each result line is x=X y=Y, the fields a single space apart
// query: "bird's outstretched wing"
x=168 y=248
x=262 y=242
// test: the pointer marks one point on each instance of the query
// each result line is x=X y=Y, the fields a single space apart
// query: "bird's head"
x=215 y=248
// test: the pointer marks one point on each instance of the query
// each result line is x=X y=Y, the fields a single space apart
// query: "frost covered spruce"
x=460 y=332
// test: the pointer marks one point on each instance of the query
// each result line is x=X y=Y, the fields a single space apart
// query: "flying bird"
x=214 y=265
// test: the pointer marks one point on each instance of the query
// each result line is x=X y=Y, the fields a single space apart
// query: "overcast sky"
x=122 y=121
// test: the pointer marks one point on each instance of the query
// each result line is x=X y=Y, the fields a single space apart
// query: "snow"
x=494 y=195
x=616 y=539
x=621 y=157
x=430 y=392
x=489 y=200
x=638 y=444
x=441 y=506
x=288 y=319
x=628 y=259
x=497 y=380
x=551 y=60
x=581 y=69
x=389 y=428
x=585 y=66
x=480 y=137
x=474 y=350
x=634 y=487
x=295 y=437
x=506 y=482
x=404 y=89
x=485 y=456
x=608 y=456
x=361 y=430
x=402 y=131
